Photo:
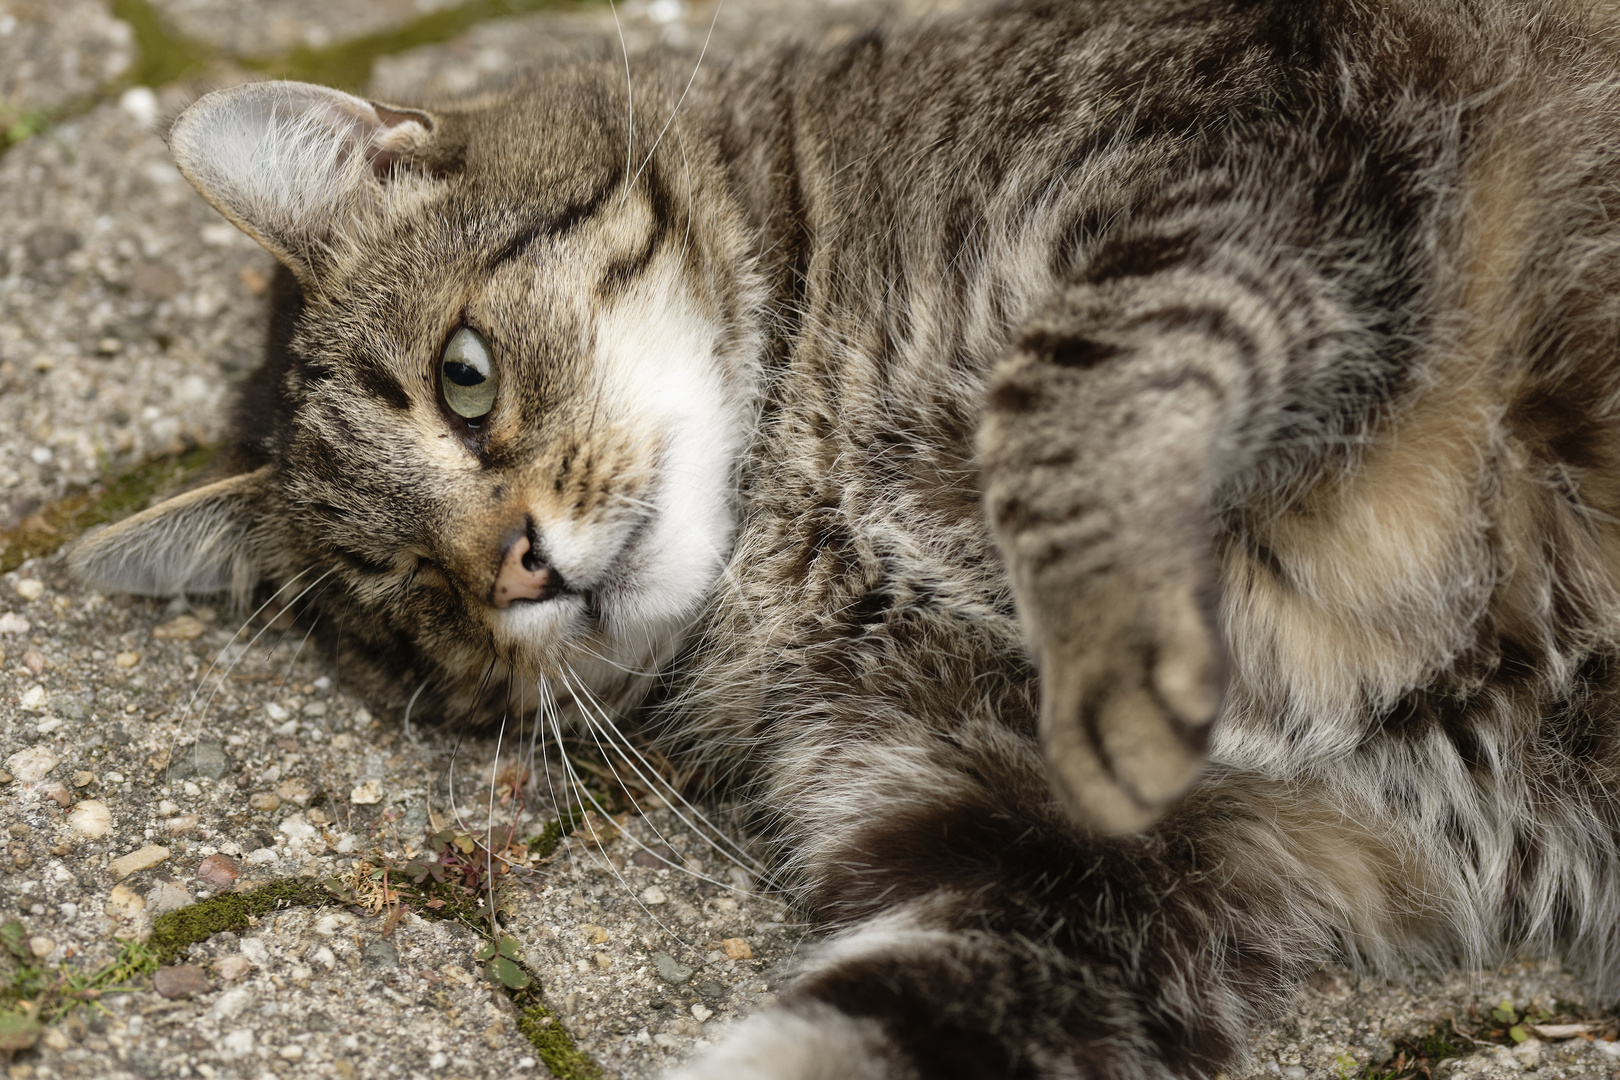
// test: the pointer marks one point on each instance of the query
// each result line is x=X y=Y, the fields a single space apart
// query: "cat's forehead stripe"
x=559 y=224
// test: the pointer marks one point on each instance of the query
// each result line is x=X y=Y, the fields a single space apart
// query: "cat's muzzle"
x=524 y=575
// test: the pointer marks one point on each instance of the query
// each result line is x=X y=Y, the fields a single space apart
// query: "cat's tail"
x=1007 y=944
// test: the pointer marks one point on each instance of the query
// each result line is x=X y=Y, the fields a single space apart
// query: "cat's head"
x=504 y=434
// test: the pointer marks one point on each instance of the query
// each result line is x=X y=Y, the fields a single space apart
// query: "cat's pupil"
x=467 y=374
x=462 y=374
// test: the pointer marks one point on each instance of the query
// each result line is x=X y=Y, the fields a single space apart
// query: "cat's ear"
x=291 y=164
x=201 y=541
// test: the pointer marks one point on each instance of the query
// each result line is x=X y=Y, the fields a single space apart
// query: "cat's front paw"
x=1127 y=700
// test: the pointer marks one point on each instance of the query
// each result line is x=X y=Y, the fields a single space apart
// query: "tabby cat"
x=965 y=427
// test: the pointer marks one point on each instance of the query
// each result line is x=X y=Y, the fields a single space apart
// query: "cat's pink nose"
x=524 y=576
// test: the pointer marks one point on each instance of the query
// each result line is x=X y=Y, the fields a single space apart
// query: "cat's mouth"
x=537 y=584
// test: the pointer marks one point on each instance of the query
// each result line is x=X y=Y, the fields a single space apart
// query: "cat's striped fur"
x=1256 y=357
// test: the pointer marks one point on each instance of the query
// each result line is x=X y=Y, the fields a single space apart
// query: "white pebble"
x=238 y=1042
x=141 y=103
x=276 y=712
x=29 y=588
x=11 y=623
x=92 y=818
x=261 y=856
x=701 y=1012
x=1528 y=1053
x=219 y=234
x=652 y=894
x=34 y=699
x=231 y=1003
x=367 y=793
x=32 y=764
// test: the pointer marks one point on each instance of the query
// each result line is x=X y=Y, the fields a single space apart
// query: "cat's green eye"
x=467 y=375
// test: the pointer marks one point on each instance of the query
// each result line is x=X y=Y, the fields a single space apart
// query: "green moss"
x=64 y=520
x=543 y=845
x=347 y=64
x=19 y=124
x=162 y=56
x=565 y=1060
x=173 y=932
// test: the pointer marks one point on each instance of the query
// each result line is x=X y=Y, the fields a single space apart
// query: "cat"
x=1130 y=490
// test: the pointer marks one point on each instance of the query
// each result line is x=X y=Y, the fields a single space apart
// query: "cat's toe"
x=1126 y=719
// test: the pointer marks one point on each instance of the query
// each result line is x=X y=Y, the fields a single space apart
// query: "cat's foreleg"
x=1118 y=415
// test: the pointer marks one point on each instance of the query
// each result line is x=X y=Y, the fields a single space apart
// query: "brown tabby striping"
x=1247 y=362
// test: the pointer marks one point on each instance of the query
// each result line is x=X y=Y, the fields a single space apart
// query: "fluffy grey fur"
x=965 y=418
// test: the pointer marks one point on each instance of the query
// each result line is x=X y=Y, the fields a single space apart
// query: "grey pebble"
x=203 y=758
x=52 y=242
x=657 y=856
x=380 y=956
x=670 y=969
x=71 y=706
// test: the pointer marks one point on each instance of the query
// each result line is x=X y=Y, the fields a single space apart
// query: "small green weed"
x=454 y=879
x=32 y=996
x=19 y=125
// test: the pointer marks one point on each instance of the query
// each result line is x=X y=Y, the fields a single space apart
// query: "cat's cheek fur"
x=661 y=368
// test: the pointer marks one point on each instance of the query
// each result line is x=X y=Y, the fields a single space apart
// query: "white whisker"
x=650 y=778
x=237 y=658
x=680 y=867
x=411 y=704
x=691 y=79
x=630 y=104
x=686 y=166
x=580 y=789
x=489 y=824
